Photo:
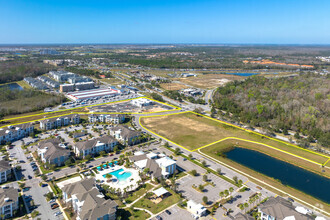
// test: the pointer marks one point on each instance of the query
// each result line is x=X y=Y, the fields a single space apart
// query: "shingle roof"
x=91 y=143
x=79 y=187
x=4 y=165
x=10 y=193
x=281 y=208
x=126 y=132
x=95 y=205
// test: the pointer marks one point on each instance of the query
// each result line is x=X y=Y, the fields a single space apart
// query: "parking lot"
x=175 y=214
x=129 y=107
x=96 y=101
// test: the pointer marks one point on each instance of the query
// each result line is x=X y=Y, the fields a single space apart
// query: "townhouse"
x=9 y=202
x=53 y=123
x=159 y=165
x=125 y=135
x=88 y=202
x=53 y=152
x=13 y=133
x=5 y=171
x=94 y=146
x=109 y=118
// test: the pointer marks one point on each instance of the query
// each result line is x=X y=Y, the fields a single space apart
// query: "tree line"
x=299 y=104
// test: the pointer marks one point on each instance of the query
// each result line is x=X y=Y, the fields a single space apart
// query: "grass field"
x=210 y=81
x=155 y=208
x=210 y=151
x=173 y=86
x=193 y=131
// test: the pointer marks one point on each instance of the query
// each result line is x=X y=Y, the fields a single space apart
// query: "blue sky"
x=165 y=21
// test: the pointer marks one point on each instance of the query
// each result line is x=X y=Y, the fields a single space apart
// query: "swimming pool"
x=120 y=177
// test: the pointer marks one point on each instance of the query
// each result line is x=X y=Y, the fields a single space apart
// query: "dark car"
x=291 y=200
x=30 y=177
x=168 y=212
x=26 y=189
x=44 y=185
x=54 y=205
x=159 y=218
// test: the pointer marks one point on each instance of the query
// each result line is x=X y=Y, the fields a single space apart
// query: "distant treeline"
x=300 y=104
x=87 y=72
x=16 y=70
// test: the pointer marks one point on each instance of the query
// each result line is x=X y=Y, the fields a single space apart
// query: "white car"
x=58 y=213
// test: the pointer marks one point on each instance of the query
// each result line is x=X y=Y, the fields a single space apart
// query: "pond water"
x=296 y=177
x=12 y=86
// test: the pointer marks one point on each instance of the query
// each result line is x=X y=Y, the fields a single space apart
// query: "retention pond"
x=296 y=177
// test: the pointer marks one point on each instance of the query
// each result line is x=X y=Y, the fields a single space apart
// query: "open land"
x=193 y=131
x=173 y=86
x=210 y=81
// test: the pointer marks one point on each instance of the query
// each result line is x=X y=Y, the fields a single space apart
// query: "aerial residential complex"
x=95 y=146
x=5 y=171
x=53 y=123
x=52 y=151
x=109 y=118
x=88 y=202
x=15 y=132
x=9 y=202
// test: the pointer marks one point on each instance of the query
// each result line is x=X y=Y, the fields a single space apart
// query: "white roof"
x=141 y=163
x=138 y=153
x=289 y=218
x=151 y=155
x=319 y=218
x=195 y=206
x=301 y=210
x=165 y=161
x=161 y=191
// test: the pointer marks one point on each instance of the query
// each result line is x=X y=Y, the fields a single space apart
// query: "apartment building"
x=94 y=146
x=53 y=123
x=17 y=132
x=9 y=202
x=53 y=152
x=125 y=135
x=88 y=202
x=5 y=171
x=110 y=118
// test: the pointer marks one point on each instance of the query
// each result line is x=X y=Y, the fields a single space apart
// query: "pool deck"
x=130 y=184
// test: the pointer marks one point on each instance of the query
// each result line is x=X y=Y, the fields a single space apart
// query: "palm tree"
x=226 y=192
x=231 y=190
x=241 y=206
x=108 y=176
x=221 y=194
x=245 y=206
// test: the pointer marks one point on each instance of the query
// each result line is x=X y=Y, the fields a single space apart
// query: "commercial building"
x=9 y=202
x=94 y=146
x=87 y=202
x=62 y=76
x=109 y=118
x=91 y=94
x=141 y=102
x=196 y=209
x=17 y=132
x=53 y=123
x=53 y=152
x=67 y=87
x=160 y=166
x=5 y=171
x=126 y=135
x=84 y=85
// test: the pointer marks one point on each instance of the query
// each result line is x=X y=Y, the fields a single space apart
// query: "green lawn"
x=135 y=195
x=193 y=131
x=155 y=208
x=130 y=214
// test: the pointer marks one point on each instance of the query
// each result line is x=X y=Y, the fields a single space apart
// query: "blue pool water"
x=120 y=177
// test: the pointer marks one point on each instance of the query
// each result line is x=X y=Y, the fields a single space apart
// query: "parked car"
x=54 y=205
x=52 y=201
x=30 y=177
x=168 y=212
x=159 y=218
x=44 y=185
x=26 y=189
x=58 y=213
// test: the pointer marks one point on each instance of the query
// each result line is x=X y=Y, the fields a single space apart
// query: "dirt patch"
x=173 y=86
x=210 y=81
